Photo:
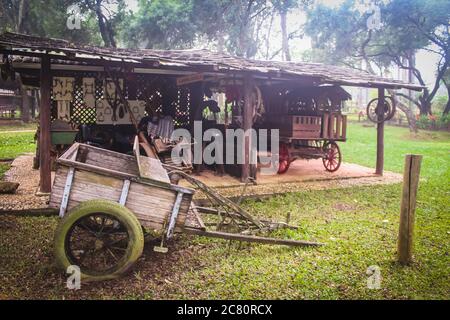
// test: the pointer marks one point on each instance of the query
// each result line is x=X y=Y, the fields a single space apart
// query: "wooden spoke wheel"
x=284 y=160
x=97 y=242
x=102 y=238
x=388 y=110
x=332 y=156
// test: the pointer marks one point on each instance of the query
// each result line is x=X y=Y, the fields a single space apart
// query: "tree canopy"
x=340 y=36
x=256 y=28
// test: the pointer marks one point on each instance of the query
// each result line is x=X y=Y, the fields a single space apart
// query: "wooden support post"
x=44 y=124
x=325 y=125
x=196 y=99
x=26 y=104
x=338 y=126
x=331 y=124
x=380 y=134
x=408 y=208
x=247 y=123
x=34 y=103
x=344 y=127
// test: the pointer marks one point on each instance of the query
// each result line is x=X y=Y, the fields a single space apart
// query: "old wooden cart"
x=310 y=123
x=107 y=200
x=311 y=137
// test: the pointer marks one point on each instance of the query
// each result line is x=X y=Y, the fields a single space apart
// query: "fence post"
x=408 y=208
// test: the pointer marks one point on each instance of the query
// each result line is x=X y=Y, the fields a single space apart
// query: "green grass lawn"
x=17 y=127
x=14 y=144
x=358 y=225
x=435 y=146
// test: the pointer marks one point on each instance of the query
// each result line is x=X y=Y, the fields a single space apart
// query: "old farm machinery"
x=108 y=201
x=310 y=124
x=312 y=137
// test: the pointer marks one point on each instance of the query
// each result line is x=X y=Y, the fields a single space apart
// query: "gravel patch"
x=25 y=198
x=22 y=171
x=265 y=190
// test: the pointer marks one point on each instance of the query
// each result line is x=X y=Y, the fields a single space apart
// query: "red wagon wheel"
x=332 y=158
x=284 y=160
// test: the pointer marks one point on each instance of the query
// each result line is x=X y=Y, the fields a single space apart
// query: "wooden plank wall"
x=152 y=205
x=301 y=127
x=111 y=161
x=334 y=126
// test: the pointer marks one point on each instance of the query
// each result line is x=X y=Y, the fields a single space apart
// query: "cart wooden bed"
x=310 y=137
x=108 y=200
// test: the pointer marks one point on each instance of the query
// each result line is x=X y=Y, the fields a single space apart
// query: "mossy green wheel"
x=103 y=238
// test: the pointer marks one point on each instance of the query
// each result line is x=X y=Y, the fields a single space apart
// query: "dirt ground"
x=303 y=175
x=25 y=198
x=299 y=171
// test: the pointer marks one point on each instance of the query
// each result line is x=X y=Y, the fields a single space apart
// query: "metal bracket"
x=65 y=197
x=124 y=194
x=174 y=214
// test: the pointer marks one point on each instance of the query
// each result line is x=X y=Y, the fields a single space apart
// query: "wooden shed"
x=73 y=81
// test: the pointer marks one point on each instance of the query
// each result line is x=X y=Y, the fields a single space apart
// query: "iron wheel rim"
x=97 y=243
x=372 y=111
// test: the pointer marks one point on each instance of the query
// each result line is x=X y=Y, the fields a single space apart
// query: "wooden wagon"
x=107 y=200
x=310 y=123
x=311 y=137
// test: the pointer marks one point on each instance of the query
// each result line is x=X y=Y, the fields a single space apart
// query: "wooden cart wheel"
x=388 y=110
x=332 y=159
x=103 y=238
x=284 y=160
x=393 y=108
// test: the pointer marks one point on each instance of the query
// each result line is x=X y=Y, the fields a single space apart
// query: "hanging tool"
x=149 y=149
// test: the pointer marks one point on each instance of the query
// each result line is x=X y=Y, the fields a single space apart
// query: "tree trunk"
x=409 y=116
x=110 y=31
x=22 y=14
x=284 y=36
x=269 y=31
x=425 y=104
x=102 y=25
x=447 y=107
x=103 y=32
x=411 y=64
x=220 y=42
x=406 y=110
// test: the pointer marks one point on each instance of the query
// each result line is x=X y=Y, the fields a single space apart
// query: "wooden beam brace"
x=248 y=238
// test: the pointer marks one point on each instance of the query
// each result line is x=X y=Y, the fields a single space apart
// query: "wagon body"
x=310 y=137
x=328 y=126
x=139 y=183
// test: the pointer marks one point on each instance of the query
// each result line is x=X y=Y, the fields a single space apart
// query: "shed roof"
x=192 y=60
